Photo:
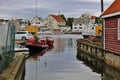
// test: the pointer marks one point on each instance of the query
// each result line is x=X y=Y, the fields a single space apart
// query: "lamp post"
x=102 y=9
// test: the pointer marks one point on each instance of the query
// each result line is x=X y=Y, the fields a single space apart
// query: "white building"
x=78 y=25
x=84 y=24
x=37 y=21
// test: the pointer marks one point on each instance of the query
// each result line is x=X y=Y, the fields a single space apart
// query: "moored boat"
x=39 y=45
x=48 y=40
x=36 y=48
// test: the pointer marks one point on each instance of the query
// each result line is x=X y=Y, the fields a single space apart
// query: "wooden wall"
x=111 y=35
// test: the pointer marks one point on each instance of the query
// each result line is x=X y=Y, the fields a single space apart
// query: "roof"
x=93 y=17
x=58 y=18
x=78 y=21
x=112 y=10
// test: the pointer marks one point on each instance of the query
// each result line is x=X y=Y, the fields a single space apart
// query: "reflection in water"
x=99 y=66
x=45 y=62
x=58 y=46
x=60 y=63
x=111 y=74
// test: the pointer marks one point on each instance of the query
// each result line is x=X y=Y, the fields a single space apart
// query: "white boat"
x=20 y=48
x=44 y=32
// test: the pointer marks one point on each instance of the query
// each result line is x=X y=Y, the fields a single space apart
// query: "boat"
x=20 y=48
x=36 y=48
x=44 y=32
x=48 y=40
x=41 y=45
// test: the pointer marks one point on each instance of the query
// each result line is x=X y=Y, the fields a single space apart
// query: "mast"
x=36 y=8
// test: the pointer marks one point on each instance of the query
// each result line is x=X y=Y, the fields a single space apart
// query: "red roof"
x=114 y=7
x=58 y=18
x=93 y=17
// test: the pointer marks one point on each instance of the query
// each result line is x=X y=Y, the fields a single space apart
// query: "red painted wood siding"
x=111 y=35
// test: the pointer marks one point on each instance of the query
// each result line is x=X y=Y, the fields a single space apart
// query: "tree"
x=62 y=15
x=98 y=20
x=69 y=22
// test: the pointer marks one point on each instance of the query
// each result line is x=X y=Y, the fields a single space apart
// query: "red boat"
x=48 y=40
x=36 y=48
x=39 y=45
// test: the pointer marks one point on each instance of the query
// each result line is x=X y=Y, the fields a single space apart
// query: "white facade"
x=65 y=29
x=78 y=27
x=89 y=29
x=37 y=22
x=84 y=24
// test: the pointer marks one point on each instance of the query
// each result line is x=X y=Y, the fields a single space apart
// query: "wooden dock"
x=94 y=50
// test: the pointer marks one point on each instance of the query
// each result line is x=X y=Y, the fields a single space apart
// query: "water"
x=61 y=63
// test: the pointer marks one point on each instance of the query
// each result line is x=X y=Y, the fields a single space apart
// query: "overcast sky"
x=26 y=9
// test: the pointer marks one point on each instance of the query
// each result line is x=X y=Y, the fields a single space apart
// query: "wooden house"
x=55 y=22
x=111 y=23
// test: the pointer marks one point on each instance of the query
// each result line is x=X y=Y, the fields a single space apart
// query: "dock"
x=16 y=68
x=92 y=50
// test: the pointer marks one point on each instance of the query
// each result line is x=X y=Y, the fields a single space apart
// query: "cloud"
x=70 y=8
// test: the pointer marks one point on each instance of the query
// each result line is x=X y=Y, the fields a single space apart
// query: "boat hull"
x=35 y=48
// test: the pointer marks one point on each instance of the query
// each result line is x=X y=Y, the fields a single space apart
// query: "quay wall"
x=15 y=69
x=94 y=50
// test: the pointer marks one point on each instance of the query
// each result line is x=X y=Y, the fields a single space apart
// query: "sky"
x=27 y=9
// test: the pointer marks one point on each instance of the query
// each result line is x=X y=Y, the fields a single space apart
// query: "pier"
x=95 y=51
x=15 y=69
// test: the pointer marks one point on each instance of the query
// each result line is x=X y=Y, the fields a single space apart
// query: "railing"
x=7 y=37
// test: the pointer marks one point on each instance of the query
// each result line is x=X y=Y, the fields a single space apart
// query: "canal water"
x=62 y=63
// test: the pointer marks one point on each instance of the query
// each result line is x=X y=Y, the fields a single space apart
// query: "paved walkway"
x=11 y=70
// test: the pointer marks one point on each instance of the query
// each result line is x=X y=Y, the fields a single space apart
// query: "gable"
x=112 y=10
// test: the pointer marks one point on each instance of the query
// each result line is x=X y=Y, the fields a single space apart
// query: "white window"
x=119 y=29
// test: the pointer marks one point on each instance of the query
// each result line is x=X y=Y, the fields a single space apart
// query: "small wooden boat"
x=39 y=45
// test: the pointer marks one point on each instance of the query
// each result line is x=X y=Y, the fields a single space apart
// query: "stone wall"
x=94 y=50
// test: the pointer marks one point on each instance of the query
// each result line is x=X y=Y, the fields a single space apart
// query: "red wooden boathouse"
x=111 y=21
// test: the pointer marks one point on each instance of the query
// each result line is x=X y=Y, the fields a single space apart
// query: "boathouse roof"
x=112 y=10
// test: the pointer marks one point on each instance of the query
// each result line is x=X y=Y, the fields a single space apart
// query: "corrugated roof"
x=58 y=18
x=114 y=7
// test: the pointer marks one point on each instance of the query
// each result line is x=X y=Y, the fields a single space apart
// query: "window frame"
x=118 y=28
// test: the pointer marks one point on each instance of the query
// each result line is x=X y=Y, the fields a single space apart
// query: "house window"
x=119 y=29
x=75 y=24
x=80 y=27
x=92 y=28
x=75 y=27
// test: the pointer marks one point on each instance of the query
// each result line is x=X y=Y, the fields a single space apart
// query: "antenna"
x=58 y=12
